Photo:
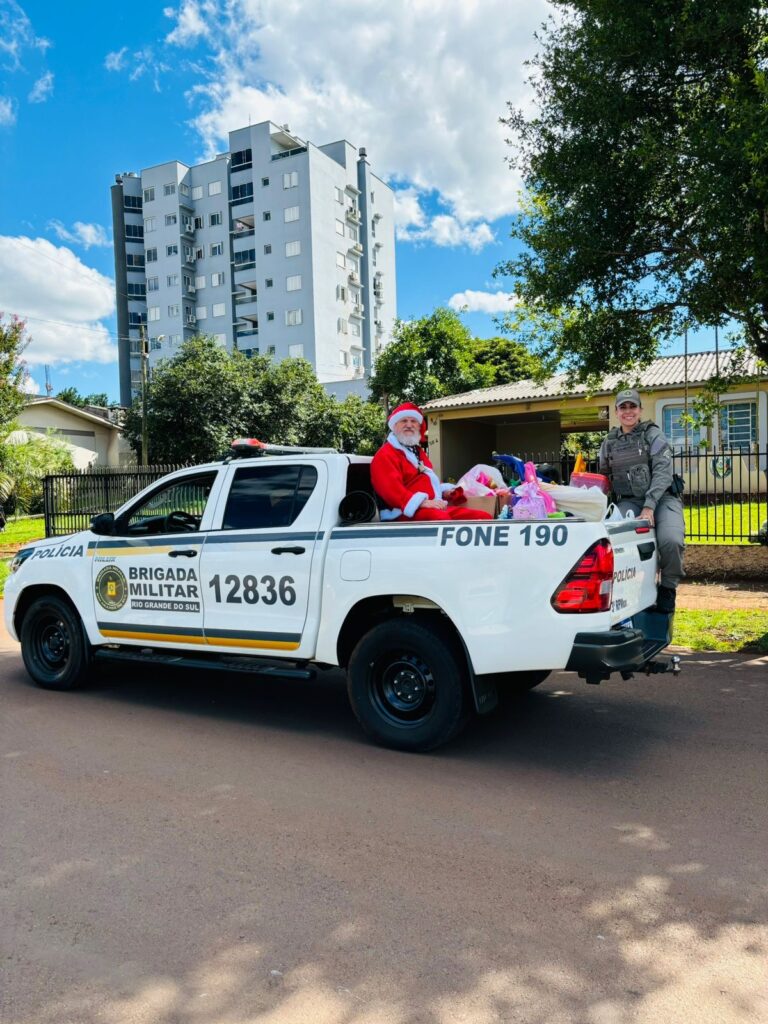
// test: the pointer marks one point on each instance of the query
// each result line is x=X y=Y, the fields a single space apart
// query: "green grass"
x=731 y=632
x=719 y=521
x=21 y=530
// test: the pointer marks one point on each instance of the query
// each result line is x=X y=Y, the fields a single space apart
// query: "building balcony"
x=353 y=214
x=353 y=278
x=241 y=201
x=357 y=311
x=356 y=248
x=251 y=332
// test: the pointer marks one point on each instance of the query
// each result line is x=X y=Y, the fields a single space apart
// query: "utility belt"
x=676 y=489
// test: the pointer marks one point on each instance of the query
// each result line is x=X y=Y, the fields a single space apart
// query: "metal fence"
x=71 y=499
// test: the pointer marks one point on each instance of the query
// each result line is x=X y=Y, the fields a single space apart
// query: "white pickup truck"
x=246 y=564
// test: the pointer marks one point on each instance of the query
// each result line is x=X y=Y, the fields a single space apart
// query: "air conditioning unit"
x=191 y=319
x=191 y=289
x=379 y=325
x=353 y=278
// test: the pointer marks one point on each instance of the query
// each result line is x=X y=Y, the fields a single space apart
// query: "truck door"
x=146 y=578
x=259 y=566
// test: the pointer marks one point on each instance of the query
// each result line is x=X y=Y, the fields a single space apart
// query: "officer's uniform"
x=639 y=465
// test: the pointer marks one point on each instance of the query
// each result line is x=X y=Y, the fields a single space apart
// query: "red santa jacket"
x=400 y=483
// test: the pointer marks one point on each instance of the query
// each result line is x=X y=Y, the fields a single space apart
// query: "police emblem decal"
x=111 y=588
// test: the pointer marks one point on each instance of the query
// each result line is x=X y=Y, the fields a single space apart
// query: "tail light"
x=589 y=585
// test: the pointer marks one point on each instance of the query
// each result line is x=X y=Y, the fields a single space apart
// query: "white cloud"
x=82 y=234
x=30 y=386
x=482 y=302
x=7 y=112
x=115 y=61
x=421 y=86
x=16 y=36
x=42 y=89
x=443 y=229
x=62 y=299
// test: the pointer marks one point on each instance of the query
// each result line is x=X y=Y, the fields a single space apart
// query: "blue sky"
x=91 y=89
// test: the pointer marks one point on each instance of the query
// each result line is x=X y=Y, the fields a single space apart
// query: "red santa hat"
x=405 y=410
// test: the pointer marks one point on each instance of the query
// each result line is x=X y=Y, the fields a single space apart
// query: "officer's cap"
x=629 y=395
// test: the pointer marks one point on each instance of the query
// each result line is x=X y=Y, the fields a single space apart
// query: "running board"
x=251 y=666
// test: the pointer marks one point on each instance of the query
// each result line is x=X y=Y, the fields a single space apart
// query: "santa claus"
x=404 y=479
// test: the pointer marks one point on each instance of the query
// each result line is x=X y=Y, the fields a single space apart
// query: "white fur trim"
x=389 y=513
x=414 y=503
x=404 y=414
x=447 y=488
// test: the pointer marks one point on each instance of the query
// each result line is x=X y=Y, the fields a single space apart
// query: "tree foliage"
x=72 y=396
x=204 y=397
x=511 y=360
x=13 y=341
x=646 y=166
x=25 y=458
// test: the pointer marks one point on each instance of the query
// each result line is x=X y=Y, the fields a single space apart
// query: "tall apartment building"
x=278 y=246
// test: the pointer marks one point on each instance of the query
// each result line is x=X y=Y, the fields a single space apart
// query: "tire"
x=521 y=682
x=54 y=647
x=407 y=686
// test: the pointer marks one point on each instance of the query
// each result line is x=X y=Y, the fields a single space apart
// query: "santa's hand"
x=434 y=503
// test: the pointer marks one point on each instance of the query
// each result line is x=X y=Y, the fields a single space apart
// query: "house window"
x=201 y=312
x=134 y=231
x=293 y=317
x=170 y=219
x=293 y=283
x=293 y=248
x=214 y=188
x=738 y=424
x=197 y=191
x=218 y=309
x=200 y=281
x=266 y=215
x=340 y=227
x=291 y=213
x=151 y=255
x=267 y=250
x=270 y=315
x=216 y=280
x=153 y=285
x=172 y=250
x=173 y=310
x=169 y=189
x=214 y=220
x=341 y=259
x=264 y=182
x=217 y=249
x=149 y=195
x=295 y=351
x=153 y=314
x=674 y=427
x=290 y=179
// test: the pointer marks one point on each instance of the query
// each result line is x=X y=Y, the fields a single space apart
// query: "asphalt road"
x=187 y=848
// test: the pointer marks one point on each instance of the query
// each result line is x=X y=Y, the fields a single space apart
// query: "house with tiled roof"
x=529 y=418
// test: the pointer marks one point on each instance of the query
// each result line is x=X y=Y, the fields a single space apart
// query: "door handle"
x=288 y=551
x=183 y=553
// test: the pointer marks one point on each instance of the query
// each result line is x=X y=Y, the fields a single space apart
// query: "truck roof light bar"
x=251 y=447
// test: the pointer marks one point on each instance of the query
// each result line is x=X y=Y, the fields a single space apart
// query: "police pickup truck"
x=247 y=565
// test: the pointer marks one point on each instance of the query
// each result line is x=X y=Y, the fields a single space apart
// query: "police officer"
x=637 y=458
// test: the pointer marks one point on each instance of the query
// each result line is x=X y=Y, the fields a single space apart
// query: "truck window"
x=268 y=496
x=175 y=508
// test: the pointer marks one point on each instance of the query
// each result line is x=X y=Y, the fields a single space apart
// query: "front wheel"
x=407 y=686
x=55 y=650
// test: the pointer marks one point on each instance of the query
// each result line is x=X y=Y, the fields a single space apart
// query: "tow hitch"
x=670 y=664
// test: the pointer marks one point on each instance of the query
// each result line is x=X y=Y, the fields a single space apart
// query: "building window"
x=199 y=252
x=266 y=215
x=295 y=351
x=343 y=357
x=339 y=195
x=134 y=259
x=198 y=223
x=217 y=249
x=293 y=248
x=244 y=191
x=218 y=309
x=149 y=195
x=291 y=213
x=357 y=359
x=132 y=203
x=197 y=191
x=264 y=182
x=738 y=424
x=134 y=231
x=200 y=281
x=151 y=255
x=220 y=339
x=201 y=312
x=170 y=219
x=242 y=159
x=373 y=198
x=172 y=250
x=270 y=316
x=246 y=256
x=137 y=291
x=217 y=280
x=169 y=189
x=673 y=426
x=153 y=313
x=341 y=326
x=341 y=259
x=214 y=188
x=187 y=282
x=340 y=227
x=341 y=292
x=352 y=232
x=153 y=285
x=268 y=282
x=267 y=250
x=293 y=283
x=293 y=317
x=136 y=319
x=290 y=179
x=184 y=189
x=173 y=310
x=214 y=220
x=187 y=224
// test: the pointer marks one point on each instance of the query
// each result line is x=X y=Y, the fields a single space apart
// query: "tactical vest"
x=629 y=460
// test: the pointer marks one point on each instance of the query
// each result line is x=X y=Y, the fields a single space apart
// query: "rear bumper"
x=595 y=656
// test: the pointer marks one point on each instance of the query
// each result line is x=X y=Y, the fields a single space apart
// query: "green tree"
x=72 y=396
x=511 y=360
x=25 y=458
x=646 y=166
x=13 y=341
x=428 y=358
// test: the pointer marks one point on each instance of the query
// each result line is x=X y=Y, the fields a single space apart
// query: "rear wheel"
x=407 y=686
x=54 y=647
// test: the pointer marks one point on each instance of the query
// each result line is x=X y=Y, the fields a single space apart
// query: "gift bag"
x=481 y=481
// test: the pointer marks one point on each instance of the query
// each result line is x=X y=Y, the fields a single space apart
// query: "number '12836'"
x=251 y=589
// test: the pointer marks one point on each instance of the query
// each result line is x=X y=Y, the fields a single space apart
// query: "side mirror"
x=103 y=524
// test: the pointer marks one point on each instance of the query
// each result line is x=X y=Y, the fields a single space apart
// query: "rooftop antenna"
x=48 y=385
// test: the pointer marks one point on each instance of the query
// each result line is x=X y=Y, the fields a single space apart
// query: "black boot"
x=665 y=599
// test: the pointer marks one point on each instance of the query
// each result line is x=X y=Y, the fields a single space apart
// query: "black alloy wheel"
x=54 y=648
